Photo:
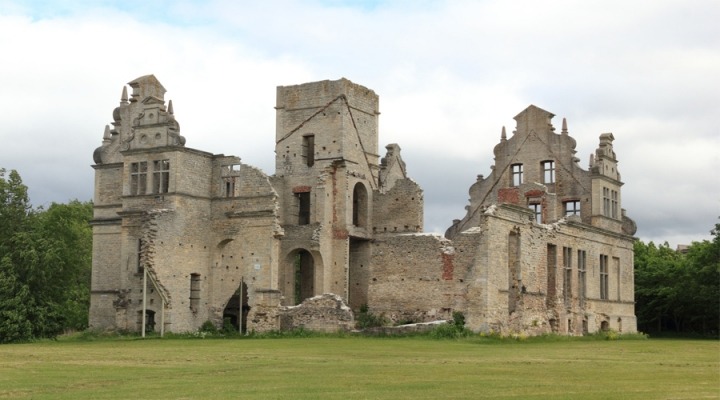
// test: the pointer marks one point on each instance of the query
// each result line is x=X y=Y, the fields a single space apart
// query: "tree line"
x=45 y=263
x=678 y=292
x=46 y=258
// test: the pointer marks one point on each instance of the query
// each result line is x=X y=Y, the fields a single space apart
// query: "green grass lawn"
x=361 y=368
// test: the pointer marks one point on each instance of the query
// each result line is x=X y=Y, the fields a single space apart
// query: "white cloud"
x=449 y=76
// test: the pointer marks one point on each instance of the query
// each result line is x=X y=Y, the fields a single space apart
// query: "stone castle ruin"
x=182 y=236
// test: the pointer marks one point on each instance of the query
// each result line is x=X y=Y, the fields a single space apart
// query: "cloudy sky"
x=450 y=75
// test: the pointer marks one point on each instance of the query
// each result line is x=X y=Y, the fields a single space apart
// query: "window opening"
x=614 y=203
x=303 y=208
x=537 y=211
x=572 y=208
x=230 y=175
x=138 y=178
x=229 y=187
x=567 y=276
x=581 y=261
x=308 y=148
x=548 y=168
x=551 y=279
x=194 y=291
x=616 y=264
x=161 y=176
x=514 y=272
x=603 y=277
x=517 y=174
x=360 y=204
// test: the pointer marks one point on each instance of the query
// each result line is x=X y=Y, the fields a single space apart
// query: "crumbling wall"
x=323 y=313
x=417 y=277
x=398 y=210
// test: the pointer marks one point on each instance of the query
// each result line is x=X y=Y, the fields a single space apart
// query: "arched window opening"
x=360 y=205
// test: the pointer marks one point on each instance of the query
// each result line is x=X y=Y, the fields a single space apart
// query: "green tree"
x=703 y=284
x=45 y=262
x=676 y=291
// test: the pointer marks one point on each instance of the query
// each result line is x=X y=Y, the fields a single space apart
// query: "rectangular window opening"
x=548 y=168
x=614 y=204
x=604 y=278
x=303 y=208
x=161 y=176
x=606 y=202
x=581 y=263
x=308 y=148
x=551 y=288
x=195 y=291
x=572 y=208
x=567 y=276
x=517 y=174
x=537 y=212
x=138 y=178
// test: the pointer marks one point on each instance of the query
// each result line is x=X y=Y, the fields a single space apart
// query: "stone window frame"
x=537 y=209
x=516 y=174
x=308 y=149
x=230 y=176
x=548 y=171
x=161 y=176
x=582 y=276
x=567 y=275
x=195 y=283
x=303 y=208
x=138 y=178
x=571 y=207
x=604 y=277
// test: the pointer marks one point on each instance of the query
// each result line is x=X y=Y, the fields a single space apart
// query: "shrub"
x=366 y=319
x=208 y=327
x=449 y=331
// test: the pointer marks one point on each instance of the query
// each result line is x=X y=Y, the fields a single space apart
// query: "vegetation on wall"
x=678 y=291
x=45 y=263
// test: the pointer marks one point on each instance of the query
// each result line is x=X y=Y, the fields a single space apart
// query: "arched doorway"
x=360 y=205
x=236 y=310
x=604 y=326
x=299 y=277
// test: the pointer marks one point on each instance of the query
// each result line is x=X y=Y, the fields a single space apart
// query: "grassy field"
x=361 y=368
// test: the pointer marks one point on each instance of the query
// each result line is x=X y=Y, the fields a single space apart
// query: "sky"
x=450 y=75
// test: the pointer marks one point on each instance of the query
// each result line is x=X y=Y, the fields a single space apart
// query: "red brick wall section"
x=447 y=262
x=509 y=195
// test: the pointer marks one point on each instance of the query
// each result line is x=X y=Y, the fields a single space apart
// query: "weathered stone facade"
x=189 y=236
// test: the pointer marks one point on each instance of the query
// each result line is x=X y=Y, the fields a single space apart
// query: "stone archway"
x=360 y=205
x=301 y=276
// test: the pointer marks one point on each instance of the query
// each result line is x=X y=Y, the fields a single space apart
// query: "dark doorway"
x=304 y=276
x=149 y=321
x=236 y=310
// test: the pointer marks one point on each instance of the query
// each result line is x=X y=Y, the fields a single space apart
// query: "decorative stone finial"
x=124 y=96
x=170 y=108
x=592 y=160
x=503 y=135
x=564 y=127
x=106 y=135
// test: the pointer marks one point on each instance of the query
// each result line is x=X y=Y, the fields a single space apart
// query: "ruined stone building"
x=182 y=236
